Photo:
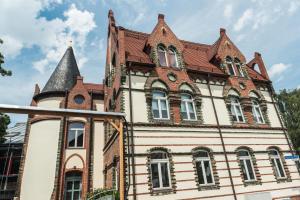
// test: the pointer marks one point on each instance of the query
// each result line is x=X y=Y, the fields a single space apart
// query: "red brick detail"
x=259 y=61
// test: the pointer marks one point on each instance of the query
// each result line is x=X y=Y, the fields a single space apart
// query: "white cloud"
x=51 y=36
x=228 y=11
x=278 y=69
x=293 y=7
x=244 y=20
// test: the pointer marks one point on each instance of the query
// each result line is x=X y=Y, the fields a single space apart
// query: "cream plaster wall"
x=98 y=155
x=139 y=106
x=40 y=163
x=74 y=162
x=273 y=117
x=72 y=151
x=99 y=105
x=208 y=111
x=217 y=90
x=222 y=112
x=52 y=102
x=203 y=89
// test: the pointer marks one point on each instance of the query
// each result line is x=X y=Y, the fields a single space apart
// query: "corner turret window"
x=277 y=163
x=75 y=135
x=246 y=165
x=236 y=110
x=160 y=170
x=203 y=167
x=230 y=66
x=187 y=107
x=162 y=56
x=160 y=107
x=257 y=114
x=173 y=58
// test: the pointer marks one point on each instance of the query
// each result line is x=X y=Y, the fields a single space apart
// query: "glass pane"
x=79 y=138
x=183 y=107
x=76 y=125
x=243 y=170
x=69 y=196
x=185 y=96
x=163 y=104
x=243 y=153
x=250 y=170
x=155 y=110
x=172 y=58
x=192 y=116
x=164 y=114
x=200 y=173
x=165 y=174
x=233 y=112
x=191 y=110
x=71 y=138
x=280 y=168
x=69 y=185
x=202 y=154
x=230 y=69
x=76 y=195
x=208 y=172
x=154 y=175
x=158 y=94
x=162 y=58
x=76 y=185
x=158 y=155
x=273 y=152
x=274 y=166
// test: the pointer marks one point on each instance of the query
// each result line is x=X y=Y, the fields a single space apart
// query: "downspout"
x=91 y=147
x=221 y=136
x=131 y=136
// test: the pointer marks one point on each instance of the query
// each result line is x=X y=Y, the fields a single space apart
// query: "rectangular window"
x=231 y=69
x=75 y=135
x=187 y=107
x=73 y=188
x=204 y=170
x=160 y=107
x=160 y=171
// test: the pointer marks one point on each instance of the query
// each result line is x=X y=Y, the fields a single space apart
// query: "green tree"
x=3 y=71
x=4 y=119
x=289 y=104
x=4 y=122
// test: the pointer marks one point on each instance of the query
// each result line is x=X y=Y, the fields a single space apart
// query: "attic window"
x=79 y=99
x=162 y=56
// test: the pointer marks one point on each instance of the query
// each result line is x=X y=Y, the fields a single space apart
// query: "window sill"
x=162 y=191
x=208 y=187
x=71 y=148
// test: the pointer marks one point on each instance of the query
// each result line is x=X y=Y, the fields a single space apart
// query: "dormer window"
x=162 y=56
x=230 y=66
x=173 y=58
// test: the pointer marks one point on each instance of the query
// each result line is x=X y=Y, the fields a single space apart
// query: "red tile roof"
x=196 y=56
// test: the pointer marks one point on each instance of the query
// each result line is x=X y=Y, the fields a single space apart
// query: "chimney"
x=161 y=17
x=222 y=31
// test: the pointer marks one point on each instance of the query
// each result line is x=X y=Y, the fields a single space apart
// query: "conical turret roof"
x=64 y=76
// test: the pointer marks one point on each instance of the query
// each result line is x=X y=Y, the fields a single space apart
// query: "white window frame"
x=239 y=68
x=162 y=49
x=244 y=159
x=76 y=135
x=159 y=162
x=73 y=179
x=256 y=113
x=277 y=157
x=159 y=99
x=235 y=105
x=186 y=101
x=175 y=55
x=201 y=160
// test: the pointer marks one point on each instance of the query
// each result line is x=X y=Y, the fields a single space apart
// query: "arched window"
x=246 y=165
x=75 y=135
x=73 y=186
x=162 y=56
x=230 y=66
x=257 y=114
x=187 y=108
x=160 y=170
x=239 y=67
x=276 y=163
x=173 y=58
x=236 y=110
x=160 y=106
x=203 y=167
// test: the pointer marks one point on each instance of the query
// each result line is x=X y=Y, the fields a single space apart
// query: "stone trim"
x=172 y=173
x=216 y=177
x=257 y=181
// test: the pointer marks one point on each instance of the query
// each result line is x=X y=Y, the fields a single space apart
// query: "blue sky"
x=37 y=32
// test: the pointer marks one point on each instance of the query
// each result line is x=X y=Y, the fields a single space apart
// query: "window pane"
x=69 y=196
x=250 y=170
x=71 y=138
x=155 y=110
x=185 y=96
x=200 y=173
x=76 y=195
x=79 y=138
x=15 y=165
x=208 y=172
x=69 y=185
x=274 y=166
x=172 y=57
x=183 y=110
x=202 y=154
x=230 y=69
x=165 y=174
x=191 y=110
x=164 y=111
x=159 y=155
x=162 y=57
x=280 y=168
x=233 y=113
x=243 y=153
x=154 y=175
x=273 y=152
x=76 y=185
x=243 y=169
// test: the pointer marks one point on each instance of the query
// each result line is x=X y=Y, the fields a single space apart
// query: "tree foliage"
x=289 y=104
x=4 y=122
x=3 y=71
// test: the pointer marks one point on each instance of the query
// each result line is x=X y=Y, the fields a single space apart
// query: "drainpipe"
x=221 y=136
x=131 y=136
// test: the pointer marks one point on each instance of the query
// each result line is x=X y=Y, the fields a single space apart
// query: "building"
x=10 y=157
x=203 y=124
